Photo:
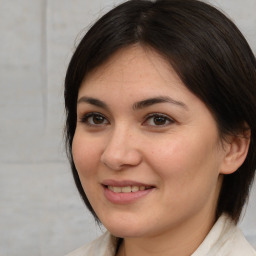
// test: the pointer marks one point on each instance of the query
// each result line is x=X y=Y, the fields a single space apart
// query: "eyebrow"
x=156 y=100
x=137 y=105
x=92 y=101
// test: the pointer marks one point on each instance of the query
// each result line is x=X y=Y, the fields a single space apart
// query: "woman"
x=161 y=101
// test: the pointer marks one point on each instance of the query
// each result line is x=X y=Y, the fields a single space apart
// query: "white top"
x=224 y=239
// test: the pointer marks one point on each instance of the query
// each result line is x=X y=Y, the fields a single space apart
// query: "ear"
x=235 y=151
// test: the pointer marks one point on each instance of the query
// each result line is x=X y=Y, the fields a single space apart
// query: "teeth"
x=127 y=189
x=142 y=187
x=135 y=188
x=117 y=189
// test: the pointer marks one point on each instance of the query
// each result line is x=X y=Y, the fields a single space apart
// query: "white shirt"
x=224 y=239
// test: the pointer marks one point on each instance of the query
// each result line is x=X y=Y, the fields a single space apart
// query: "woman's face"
x=146 y=149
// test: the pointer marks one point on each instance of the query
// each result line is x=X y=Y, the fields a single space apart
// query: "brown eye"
x=97 y=119
x=158 y=120
x=94 y=119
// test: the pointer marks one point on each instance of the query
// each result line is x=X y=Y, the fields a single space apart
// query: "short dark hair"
x=209 y=54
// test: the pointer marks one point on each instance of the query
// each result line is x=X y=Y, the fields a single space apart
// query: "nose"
x=121 y=150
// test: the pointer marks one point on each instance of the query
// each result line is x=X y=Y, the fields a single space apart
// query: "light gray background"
x=41 y=213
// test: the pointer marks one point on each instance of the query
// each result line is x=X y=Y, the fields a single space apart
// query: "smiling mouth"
x=125 y=191
x=128 y=189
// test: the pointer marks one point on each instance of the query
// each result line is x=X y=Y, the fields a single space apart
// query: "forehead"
x=131 y=68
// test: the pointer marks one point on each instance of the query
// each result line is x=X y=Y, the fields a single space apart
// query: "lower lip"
x=125 y=198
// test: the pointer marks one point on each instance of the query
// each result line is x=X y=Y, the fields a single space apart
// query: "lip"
x=125 y=198
x=124 y=183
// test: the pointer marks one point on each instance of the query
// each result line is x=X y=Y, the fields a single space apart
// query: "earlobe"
x=236 y=149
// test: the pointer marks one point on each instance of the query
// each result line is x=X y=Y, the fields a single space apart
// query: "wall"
x=40 y=210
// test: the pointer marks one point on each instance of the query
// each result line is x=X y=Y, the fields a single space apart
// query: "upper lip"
x=124 y=183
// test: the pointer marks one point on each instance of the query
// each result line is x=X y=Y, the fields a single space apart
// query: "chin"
x=118 y=232
x=123 y=228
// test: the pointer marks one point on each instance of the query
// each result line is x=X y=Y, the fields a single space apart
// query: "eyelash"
x=158 y=115
x=165 y=118
x=86 y=117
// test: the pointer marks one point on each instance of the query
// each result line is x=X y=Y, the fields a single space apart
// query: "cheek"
x=85 y=155
x=168 y=156
x=86 y=159
x=185 y=157
x=188 y=173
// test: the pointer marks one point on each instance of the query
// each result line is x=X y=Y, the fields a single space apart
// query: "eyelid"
x=152 y=115
x=84 y=118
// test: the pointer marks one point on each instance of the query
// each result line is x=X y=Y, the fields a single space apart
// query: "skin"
x=180 y=154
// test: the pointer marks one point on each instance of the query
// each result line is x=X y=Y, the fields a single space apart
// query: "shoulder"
x=104 y=245
x=238 y=245
x=225 y=239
